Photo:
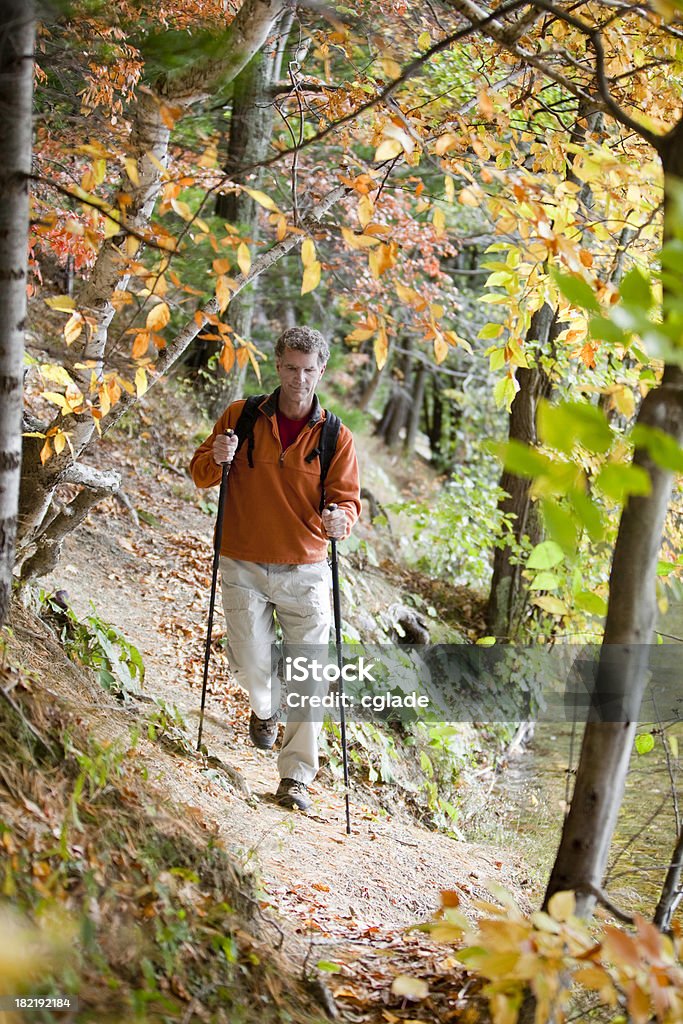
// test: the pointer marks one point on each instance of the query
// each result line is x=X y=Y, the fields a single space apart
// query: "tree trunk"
x=415 y=413
x=606 y=749
x=435 y=422
x=397 y=408
x=16 y=89
x=506 y=597
x=621 y=674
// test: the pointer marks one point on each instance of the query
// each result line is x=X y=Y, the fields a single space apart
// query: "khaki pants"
x=300 y=594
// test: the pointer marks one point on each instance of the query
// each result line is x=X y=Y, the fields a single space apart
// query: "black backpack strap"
x=244 y=428
x=326 y=448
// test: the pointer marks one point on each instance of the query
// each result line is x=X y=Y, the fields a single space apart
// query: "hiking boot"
x=262 y=731
x=292 y=793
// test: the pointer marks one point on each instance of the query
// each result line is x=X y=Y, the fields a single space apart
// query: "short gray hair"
x=303 y=339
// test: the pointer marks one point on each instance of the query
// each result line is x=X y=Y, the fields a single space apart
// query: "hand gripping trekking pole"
x=216 y=556
x=338 y=643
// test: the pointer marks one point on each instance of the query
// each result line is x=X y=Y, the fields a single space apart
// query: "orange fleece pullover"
x=272 y=511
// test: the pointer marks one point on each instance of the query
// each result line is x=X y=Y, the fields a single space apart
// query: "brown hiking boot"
x=262 y=731
x=292 y=793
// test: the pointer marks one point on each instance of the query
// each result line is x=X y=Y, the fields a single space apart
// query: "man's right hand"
x=223 y=449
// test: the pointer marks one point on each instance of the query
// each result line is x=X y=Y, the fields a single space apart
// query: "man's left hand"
x=335 y=523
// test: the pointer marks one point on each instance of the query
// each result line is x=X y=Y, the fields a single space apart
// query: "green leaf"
x=490 y=331
x=560 y=524
x=618 y=480
x=577 y=290
x=545 y=555
x=589 y=514
x=521 y=459
x=564 y=425
x=645 y=742
x=661 y=447
x=603 y=329
x=504 y=392
x=545 y=581
x=587 y=601
x=328 y=965
x=636 y=290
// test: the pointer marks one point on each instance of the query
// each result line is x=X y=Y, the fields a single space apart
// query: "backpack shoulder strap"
x=244 y=428
x=328 y=446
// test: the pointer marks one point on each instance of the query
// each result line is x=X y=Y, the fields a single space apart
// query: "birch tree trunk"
x=17 y=34
x=149 y=148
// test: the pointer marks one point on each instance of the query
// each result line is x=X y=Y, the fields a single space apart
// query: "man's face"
x=299 y=373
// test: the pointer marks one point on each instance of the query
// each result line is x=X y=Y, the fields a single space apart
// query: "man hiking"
x=289 y=459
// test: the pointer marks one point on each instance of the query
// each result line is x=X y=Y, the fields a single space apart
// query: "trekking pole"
x=338 y=643
x=216 y=556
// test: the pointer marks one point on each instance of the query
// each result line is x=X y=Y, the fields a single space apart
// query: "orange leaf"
x=227 y=356
x=140 y=345
x=158 y=317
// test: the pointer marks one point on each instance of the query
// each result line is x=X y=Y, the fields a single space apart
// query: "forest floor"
x=323 y=896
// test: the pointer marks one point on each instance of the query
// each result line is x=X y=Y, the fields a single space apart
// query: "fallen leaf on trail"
x=346 y=992
x=409 y=988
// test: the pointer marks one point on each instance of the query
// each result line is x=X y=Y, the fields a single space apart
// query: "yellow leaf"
x=561 y=905
x=444 y=143
x=307 y=252
x=366 y=208
x=243 y=258
x=158 y=317
x=60 y=442
x=141 y=384
x=356 y=241
x=261 y=198
x=223 y=293
x=440 y=347
x=387 y=150
x=99 y=169
x=209 y=157
x=311 y=278
x=181 y=208
x=449 y=188
x=360 y=334
x=56 y=399
x=390 y=67
x=88 y=181
x=469 y=197
x=254 y=363
x=57 y=373
x=382 y=258
x=281 y=227
x=63 y=303
x=405 y=294
x=381 y=348
x=112 y=225
x=424 y=40
x=439 y=221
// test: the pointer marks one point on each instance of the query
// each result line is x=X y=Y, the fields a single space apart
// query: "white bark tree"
x=149 y=148
x=17 y=33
